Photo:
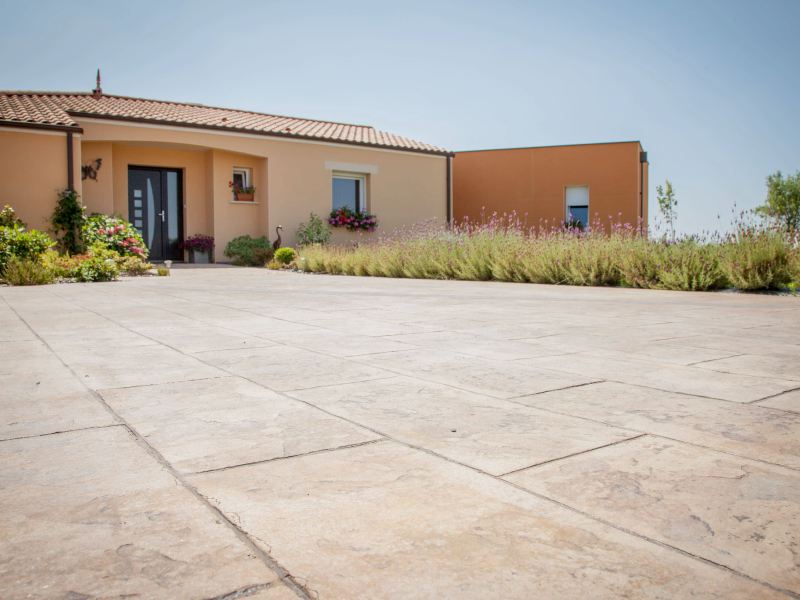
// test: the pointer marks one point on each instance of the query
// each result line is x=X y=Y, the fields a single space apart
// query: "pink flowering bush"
x=344 y=217
x=114 y=234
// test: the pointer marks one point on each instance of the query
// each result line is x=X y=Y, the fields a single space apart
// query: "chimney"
x=98 y=91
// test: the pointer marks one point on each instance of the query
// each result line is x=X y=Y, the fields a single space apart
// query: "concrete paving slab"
x=783 y=367
x=732 y=511
x=90 y=514
x=492 y=435
x=367 y=522
x=618 y=346
x=27 y=356
x=686 y=380
x=492 y=378
x=742 y=429
x=136 y=365
x=203 y=338
x=44 y=403
x=789 y=401
x=479 y=346
x=218 y=423
x=285 y=368
x=333 y=343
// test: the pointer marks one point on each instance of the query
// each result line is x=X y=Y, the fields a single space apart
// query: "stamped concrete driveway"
x=228 y=433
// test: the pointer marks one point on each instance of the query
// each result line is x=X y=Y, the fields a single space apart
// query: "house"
x=166 y=167
x=553 y=184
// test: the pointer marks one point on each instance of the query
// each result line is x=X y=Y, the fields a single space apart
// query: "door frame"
x=181 y=201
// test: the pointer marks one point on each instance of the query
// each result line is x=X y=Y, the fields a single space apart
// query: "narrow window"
x=349 y=190
x=577 y=206
x=241 y=178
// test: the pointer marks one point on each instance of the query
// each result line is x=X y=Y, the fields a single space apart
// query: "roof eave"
x=278 y=134
x=34 y=125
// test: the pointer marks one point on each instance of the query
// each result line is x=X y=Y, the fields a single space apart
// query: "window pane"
x=172 y=210
x=580 y=213
x=345 y=193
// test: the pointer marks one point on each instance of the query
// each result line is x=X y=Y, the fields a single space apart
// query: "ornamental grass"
x=754 y=256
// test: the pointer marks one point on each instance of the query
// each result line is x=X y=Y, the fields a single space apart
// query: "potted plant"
x=199 y=247
x=241 y=192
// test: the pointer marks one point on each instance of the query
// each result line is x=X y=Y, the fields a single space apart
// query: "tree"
x=783 y=200
x=667 y=204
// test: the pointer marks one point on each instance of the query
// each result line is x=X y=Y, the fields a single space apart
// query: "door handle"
x=162 y=216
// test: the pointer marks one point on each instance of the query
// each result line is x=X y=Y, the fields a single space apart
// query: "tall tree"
x=783 y=200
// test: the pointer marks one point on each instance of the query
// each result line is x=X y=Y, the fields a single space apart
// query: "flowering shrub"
x=344 y=217
x=114 y=234
x=199 y=243
x=8 y=218
x=504 y=249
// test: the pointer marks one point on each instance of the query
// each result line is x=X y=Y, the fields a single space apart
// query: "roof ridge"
x=198 y=104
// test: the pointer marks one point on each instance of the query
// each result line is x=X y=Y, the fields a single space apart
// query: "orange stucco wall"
x=33 y=167
x=533 y=182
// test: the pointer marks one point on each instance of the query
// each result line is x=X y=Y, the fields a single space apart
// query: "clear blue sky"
x=710 y=88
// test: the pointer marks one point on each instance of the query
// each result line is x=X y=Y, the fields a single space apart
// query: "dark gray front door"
x=155 y=207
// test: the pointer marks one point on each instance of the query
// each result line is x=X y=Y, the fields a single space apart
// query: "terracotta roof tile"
x=58 y=108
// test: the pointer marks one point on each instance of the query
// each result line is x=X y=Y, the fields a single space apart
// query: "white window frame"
x=245 y=173
x=568 y=205
x=362 y=188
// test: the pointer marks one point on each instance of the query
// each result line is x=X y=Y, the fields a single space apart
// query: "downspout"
x=70 y=163
x=642 y=160
x=449 y=192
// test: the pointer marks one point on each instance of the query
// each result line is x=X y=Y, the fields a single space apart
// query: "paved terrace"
x=229 y=433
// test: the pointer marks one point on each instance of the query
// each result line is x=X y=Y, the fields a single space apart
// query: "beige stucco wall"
x=98 y=195
x=291 y=179
x=33 y=167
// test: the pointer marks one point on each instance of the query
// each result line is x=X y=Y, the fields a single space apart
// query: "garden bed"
x=753 y=257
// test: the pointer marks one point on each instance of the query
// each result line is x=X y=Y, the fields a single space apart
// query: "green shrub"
x=262 y=256
x=68 y=220
x=15 y=242
x=133 y=266
x=313 y=232
x=8 y=218
x=113 y=233
x=757 y=257
x=63 y=267
x=27 y=272
x=687 y=265
x=95 y=268
x=285 y=255
x=240 y=249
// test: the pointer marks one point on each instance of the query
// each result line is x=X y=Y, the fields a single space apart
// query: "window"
x=578 y=205
x=241 y=177
x=349 y=190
